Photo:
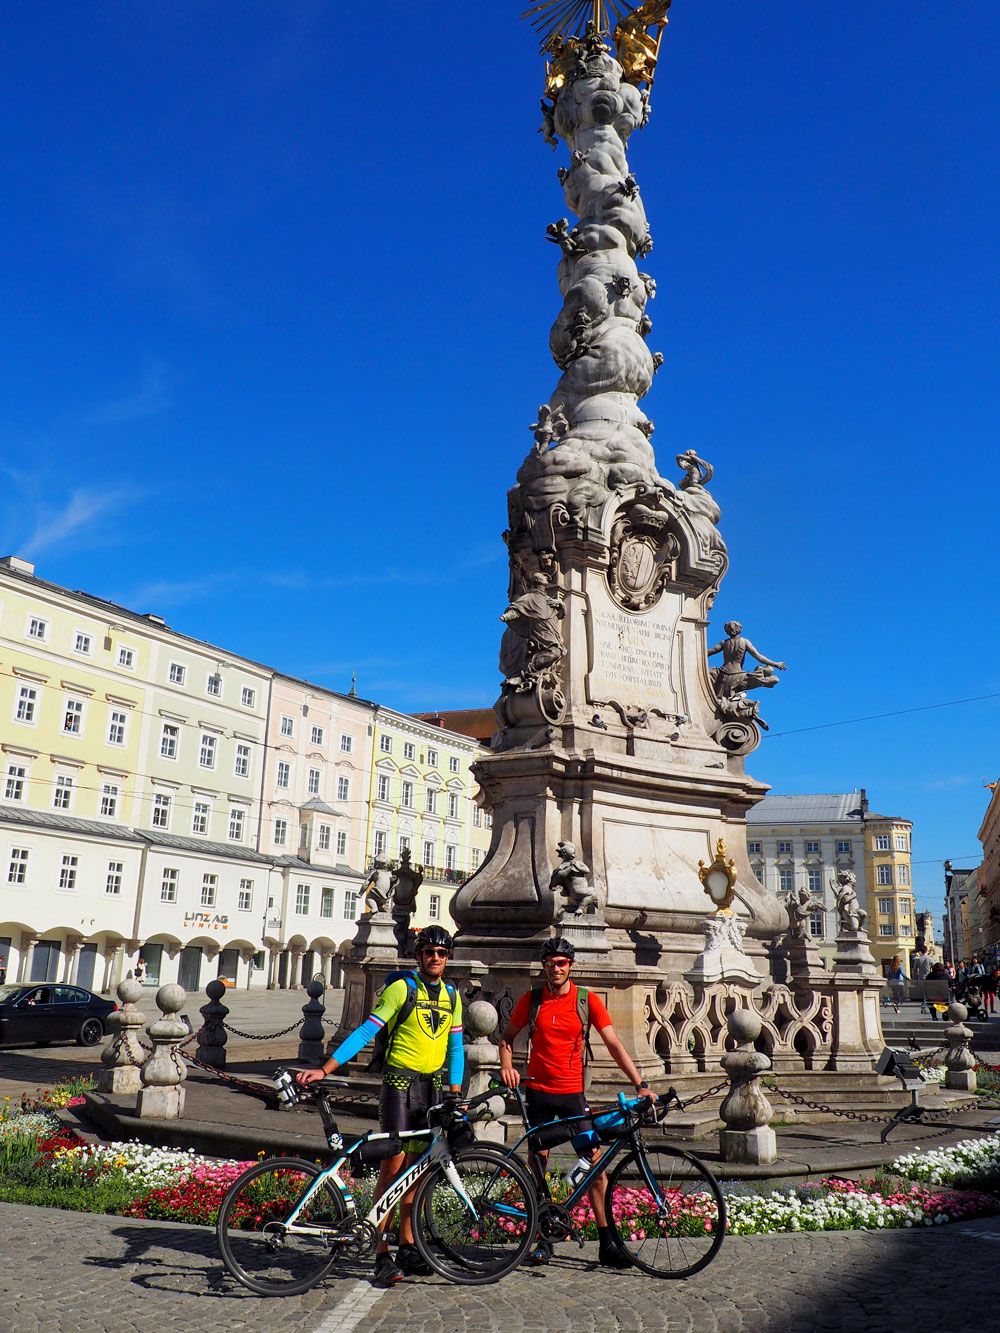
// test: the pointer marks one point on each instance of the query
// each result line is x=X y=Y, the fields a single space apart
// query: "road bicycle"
x=286 y=1223
x=665 y=1208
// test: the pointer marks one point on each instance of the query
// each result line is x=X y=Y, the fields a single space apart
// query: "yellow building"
x=889 y=888
x=422 y=798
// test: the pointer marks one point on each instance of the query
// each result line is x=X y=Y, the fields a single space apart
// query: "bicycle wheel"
x=257 y=1248
x=666 y=1210
x=484 y=1242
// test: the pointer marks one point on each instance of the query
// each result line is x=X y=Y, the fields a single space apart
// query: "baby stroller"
x=973 y=1001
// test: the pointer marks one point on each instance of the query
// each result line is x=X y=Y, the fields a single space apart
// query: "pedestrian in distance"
x=990 y=987
x=420 y=1015
x=559 y=1017
x=920 y=970
x=896 y=978
x=938 y=972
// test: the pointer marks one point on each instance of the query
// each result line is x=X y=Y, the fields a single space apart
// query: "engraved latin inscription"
x=631 y=654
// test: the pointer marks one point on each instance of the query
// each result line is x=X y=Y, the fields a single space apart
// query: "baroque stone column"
x=959 y=1060
x=124 y=1054
x=745 y=1109
x=164 y=1072
x=212 y=1037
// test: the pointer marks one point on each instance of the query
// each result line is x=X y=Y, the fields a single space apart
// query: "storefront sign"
x=207 y=920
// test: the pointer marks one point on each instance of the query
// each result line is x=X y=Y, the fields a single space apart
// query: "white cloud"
x=77 y=518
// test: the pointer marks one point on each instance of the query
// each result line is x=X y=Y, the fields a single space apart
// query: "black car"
x=44 y=1012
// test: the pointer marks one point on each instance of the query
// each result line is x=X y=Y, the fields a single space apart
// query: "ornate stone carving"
x=798 y=906
x=406 y=880
x=852 y=915
x=739 y=717
x=641 y=553
x=571 y=878
x=376 y=891
x=638 y=48
x=531 y=652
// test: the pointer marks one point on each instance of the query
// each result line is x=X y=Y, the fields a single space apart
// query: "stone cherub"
x=798 y=906
x=571 y=878
x=377 y=890
x=731 y=679
x=559 y=234
x=532 y=641
x=852 y=915
x=552 y=424
x=548 y=126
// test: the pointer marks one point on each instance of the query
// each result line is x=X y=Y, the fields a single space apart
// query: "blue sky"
x=277 y=302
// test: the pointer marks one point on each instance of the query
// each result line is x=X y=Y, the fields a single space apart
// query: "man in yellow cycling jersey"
x=423 y=1053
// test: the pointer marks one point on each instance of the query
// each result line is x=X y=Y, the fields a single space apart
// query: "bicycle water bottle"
x=579 y=1170
x=583 y=1143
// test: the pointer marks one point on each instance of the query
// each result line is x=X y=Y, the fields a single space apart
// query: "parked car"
x=44 y=1012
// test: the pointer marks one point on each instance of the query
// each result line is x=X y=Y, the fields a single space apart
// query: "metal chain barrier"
x=263 y=1036
x=829 y=1110
x=258 y=1089
x=703 y=1096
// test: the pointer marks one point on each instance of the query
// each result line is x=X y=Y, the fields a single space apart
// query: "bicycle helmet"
x=433 y=937
x=557 y=948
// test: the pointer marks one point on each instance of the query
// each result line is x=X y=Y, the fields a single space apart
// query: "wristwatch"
x=639 y=1086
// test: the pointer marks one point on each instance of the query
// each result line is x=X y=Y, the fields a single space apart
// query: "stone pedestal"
x=723 y=958
x=124 y=1055
x=164 y=1072
x=585 y=931
x=855 y=987
x=745 y=1110
x=375 y=937
x=959 y=1060
x=854 y=954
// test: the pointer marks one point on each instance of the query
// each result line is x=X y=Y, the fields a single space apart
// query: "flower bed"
x=972 y=1162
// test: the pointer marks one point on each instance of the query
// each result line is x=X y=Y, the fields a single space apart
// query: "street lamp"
x=719 y=879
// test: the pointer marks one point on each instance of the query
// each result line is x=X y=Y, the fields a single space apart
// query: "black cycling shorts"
x=546 y=1106
x=404 y=1101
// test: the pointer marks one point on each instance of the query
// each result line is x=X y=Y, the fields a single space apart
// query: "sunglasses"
x=435 y=953
x=558 y=962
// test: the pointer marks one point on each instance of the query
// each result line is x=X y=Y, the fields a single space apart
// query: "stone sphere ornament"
x=480 y=1019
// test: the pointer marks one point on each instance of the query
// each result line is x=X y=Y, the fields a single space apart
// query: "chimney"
x=864 y=803
x=17 y=565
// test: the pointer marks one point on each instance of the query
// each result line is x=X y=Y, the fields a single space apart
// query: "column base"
x=754 y=1146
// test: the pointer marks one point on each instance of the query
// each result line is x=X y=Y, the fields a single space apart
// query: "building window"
x=452 y=805
x=248 y=697
x=786 y=880
x=116 y=728
x=126 y=657
x=432 y=758
x=284 y=773
x=814 y=881
x=73 y=717
x=885 y=906
x=477 y=816
x=62 y=793
x=168 y=740
x=900 y=842
x=429 y=854
x=812 y=849
x=902 y=874
x=754 y=848
x=341 y=843
x=244 y=899
x=409 y=750
x=784 y=849
x=280 y=832
x=487 y=819
x=113 y=883
x=82 y=643
x=38 y=629
x=302 y=900
x=324 y=837
x=326 y=901
x=906 y=930
x=382 y=790
x=17 y=869
x=434 y=906
x=177 y=673
x=452 y=764
x=407 y=801
x=237 y=823
x=312 y=782
x=241 y=766
x=404 y=843
x=161 y=811
x=885 y=930
x=287 y=727
x=385 y=744
x=843 y=848
x=67 y=872
x=343 y=788
x=816 y=925
x=14 y=789
x=450 y=857
x=199 y=820
x=109 y=800
x=316 y=736
x=27 y=698
x=477 y=858
x=213 y=685
x=206 y=753
x=350 y=905
x=881 y=842
x=346 y=744
x=883 y=874
x=209 y=886
x=168 y=887
x=430 y=800
x=380 y=844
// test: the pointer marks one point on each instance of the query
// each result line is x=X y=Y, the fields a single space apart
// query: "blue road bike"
x=286 y=1223
x=665 y=1208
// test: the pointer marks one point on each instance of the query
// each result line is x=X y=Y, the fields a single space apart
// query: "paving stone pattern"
x=75 y=1273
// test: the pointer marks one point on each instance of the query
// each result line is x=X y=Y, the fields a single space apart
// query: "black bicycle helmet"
x=557 y=948
x=433 y=937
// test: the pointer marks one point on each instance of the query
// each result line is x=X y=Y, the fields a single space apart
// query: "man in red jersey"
x=560 y=1016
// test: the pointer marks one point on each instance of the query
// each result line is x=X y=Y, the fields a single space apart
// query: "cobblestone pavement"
x=74 y=1273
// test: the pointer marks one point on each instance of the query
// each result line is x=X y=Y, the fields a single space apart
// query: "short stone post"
x=311 y=1034
x=482 y=1059
x=163 y=1074
x=745 y=1110
x=123 y=1056
x=959 y=1060
x=212 y=1037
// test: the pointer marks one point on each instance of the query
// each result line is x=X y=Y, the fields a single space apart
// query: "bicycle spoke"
x=674 y=1228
